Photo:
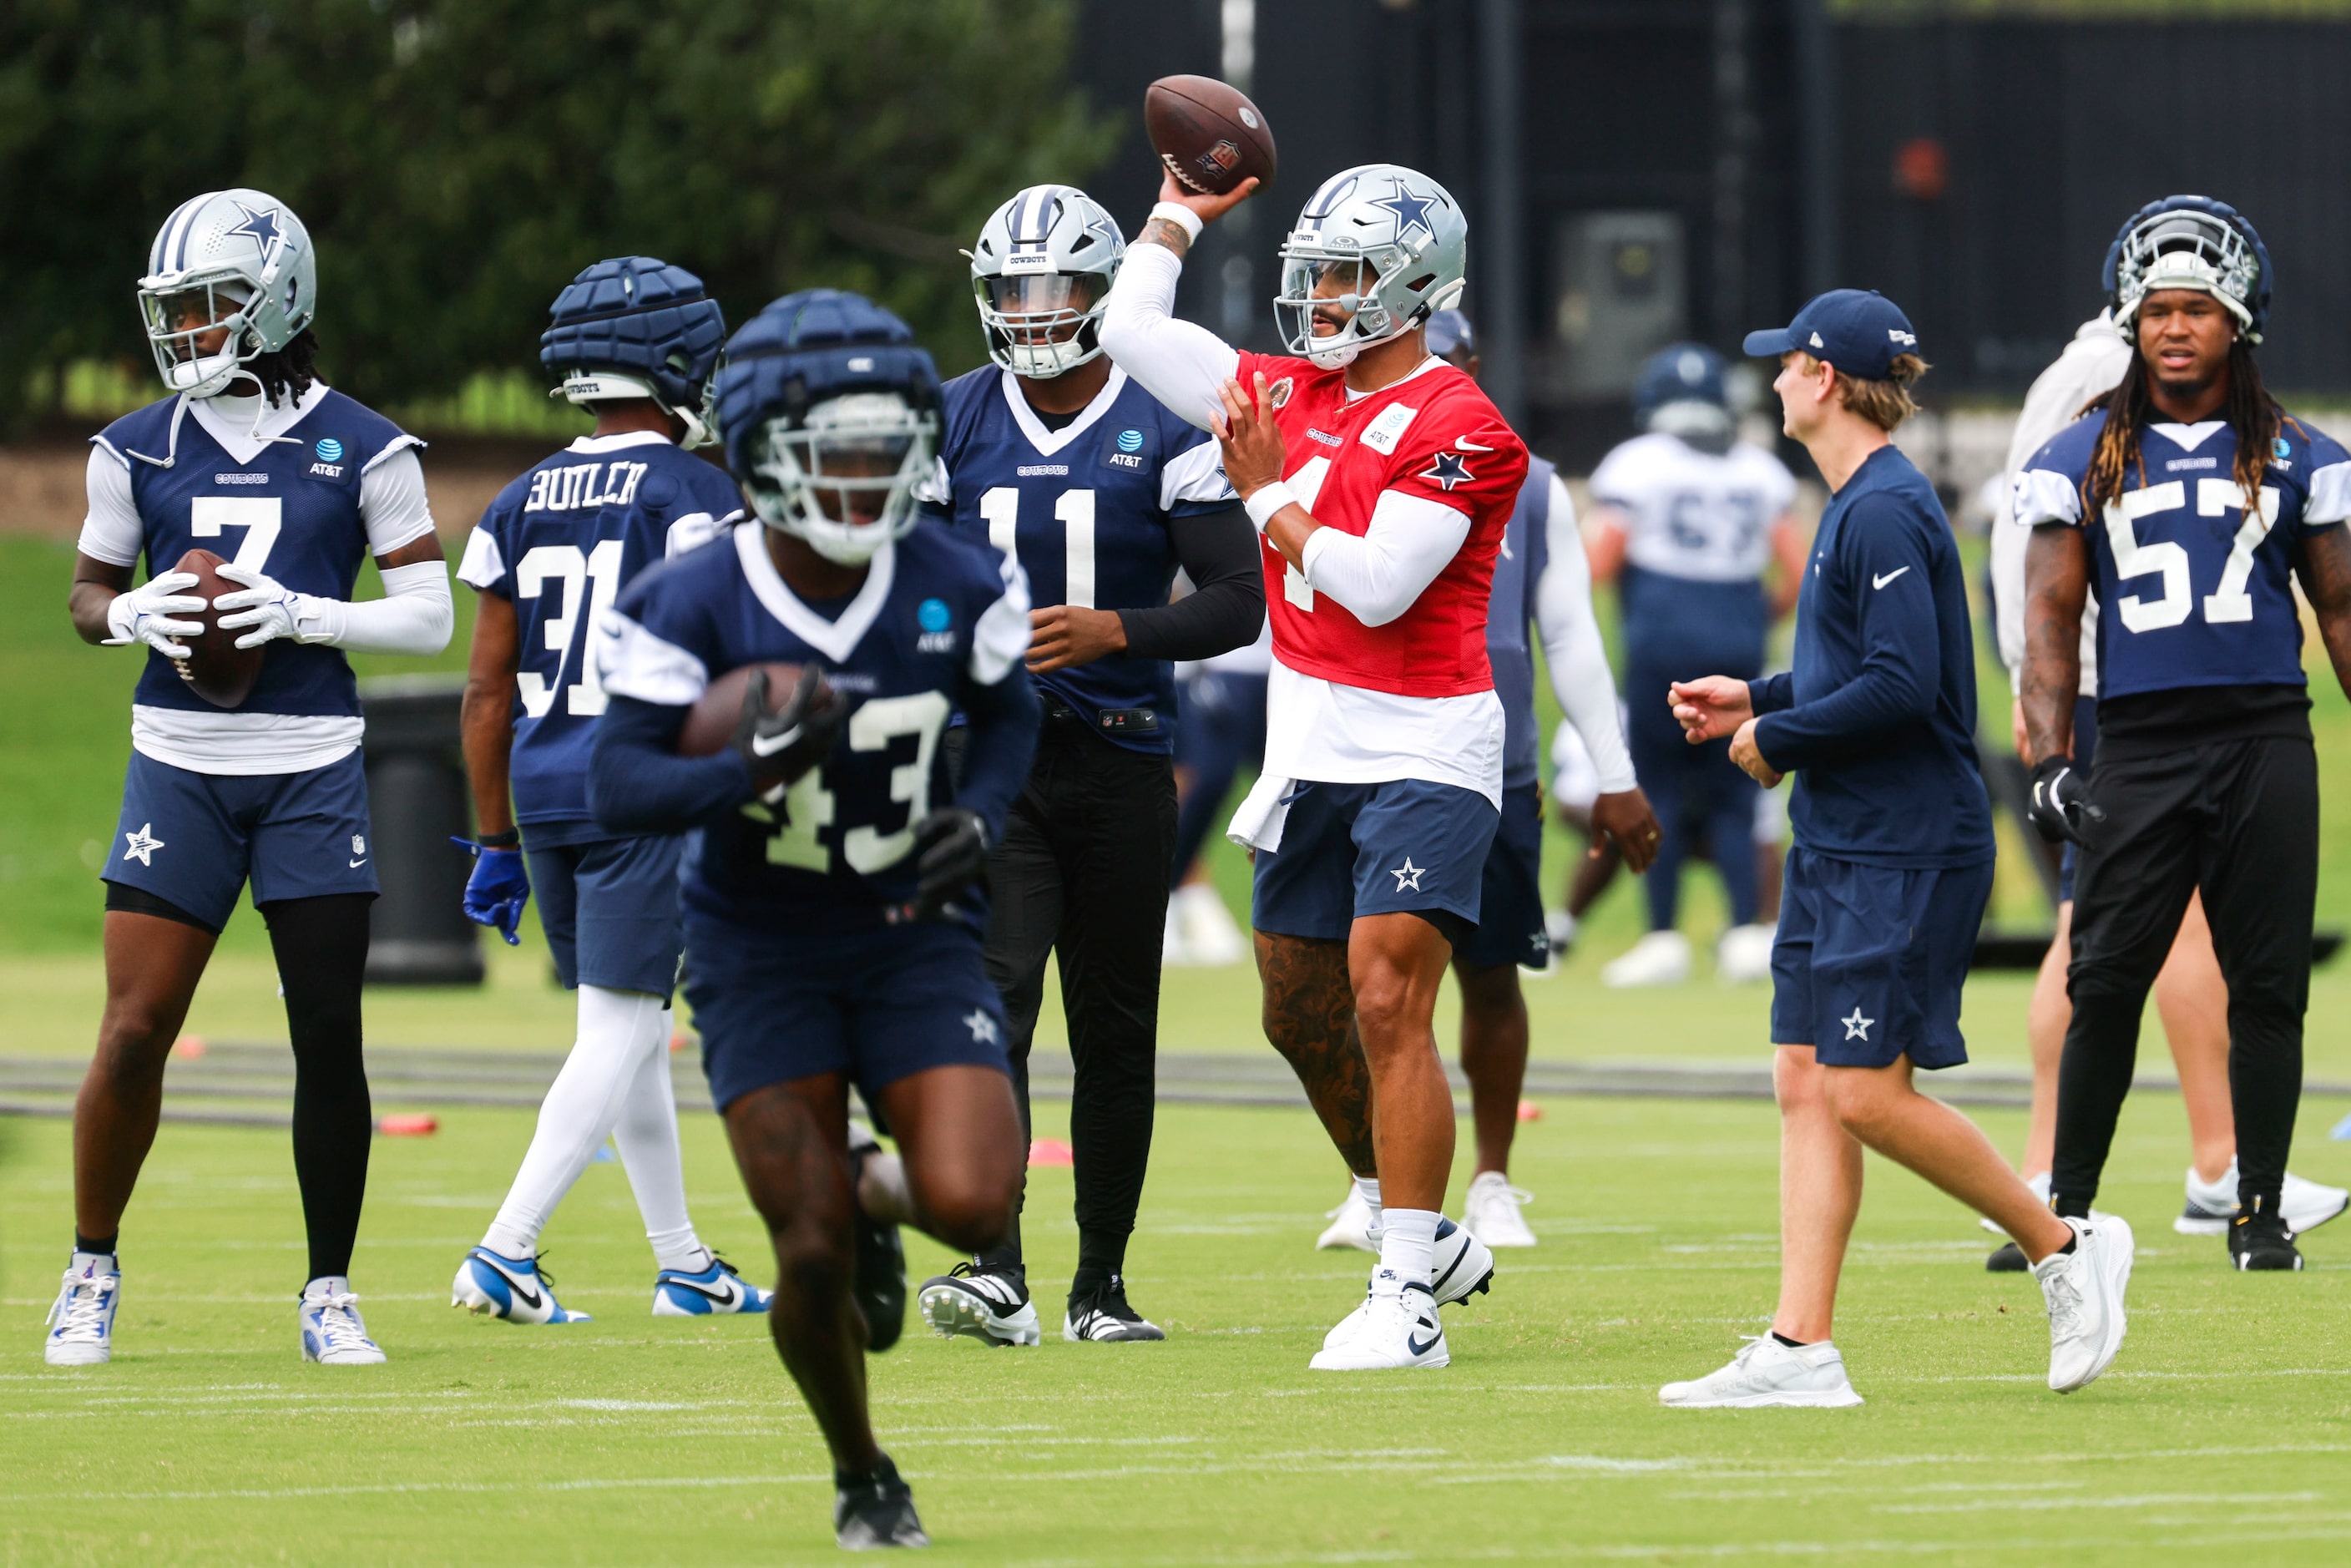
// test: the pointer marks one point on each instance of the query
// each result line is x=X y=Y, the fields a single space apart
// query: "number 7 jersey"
x=2193 y=589
x=560 y=542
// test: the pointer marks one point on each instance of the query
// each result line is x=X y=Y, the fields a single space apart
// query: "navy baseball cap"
x=1858 y=331
x=1449 y=330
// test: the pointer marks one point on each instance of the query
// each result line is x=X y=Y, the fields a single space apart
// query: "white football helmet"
x=1041 y=271
x=1395 y=237
x=844 y=475
x=238 y=263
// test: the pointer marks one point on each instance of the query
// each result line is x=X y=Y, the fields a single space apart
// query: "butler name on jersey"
x=2196 y=590
x=1084 y=509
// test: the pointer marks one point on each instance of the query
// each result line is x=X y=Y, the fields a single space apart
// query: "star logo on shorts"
x=1409 y=875
x=142 y=845
x=982 y=1027
x=1856 y=1026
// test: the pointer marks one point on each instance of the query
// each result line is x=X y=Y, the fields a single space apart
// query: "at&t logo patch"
x=937 y=623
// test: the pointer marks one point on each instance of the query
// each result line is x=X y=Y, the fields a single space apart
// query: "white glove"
x=145 y=614
x=272 y=611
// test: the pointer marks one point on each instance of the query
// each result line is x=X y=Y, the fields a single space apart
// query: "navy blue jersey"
x=940 y=622
x=1877 y=719
x=1518 y=575
x=561 y=542
x=1085 y=510
x=293 y=512
x=2192 y=591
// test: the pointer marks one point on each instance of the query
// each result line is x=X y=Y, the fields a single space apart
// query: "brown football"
x=710 y=726
x=216 y=669
x=1207 y=133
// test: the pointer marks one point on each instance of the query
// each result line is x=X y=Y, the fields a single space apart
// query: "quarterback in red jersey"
x=1382 y=480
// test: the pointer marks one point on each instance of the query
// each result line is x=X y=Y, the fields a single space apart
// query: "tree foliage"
x=458 y=160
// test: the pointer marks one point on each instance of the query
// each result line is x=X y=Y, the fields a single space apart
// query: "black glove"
x=2061 y=802
x=951 y=853
x=781 y=746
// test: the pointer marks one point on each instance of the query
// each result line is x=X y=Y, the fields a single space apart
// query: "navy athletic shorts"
x=1511 y=927
x=1405 y=847
x=877 y=1006
x=1870 y=959
x=194 y=839
x=609 y=907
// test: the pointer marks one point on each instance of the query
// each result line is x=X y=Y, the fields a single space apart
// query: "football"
x=1211 y=136
x=710 y=726
x=216 y=669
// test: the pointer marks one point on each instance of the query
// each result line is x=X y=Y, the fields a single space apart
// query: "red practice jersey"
x=1434 y=436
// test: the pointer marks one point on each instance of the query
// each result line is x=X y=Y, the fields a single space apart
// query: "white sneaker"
x=1211 y=937
x=1743 y=954
x=1460 y=1267
x=2040 y=1186
x=1351 y=1225
x=1560 y=926
x=1766 y=1373
x=333 y=1333
x=2306 y=1205
x=82 y=1323
x=1492 y=1211
x=1660 y=958
x=2084 y=1291
x=1388 y=1331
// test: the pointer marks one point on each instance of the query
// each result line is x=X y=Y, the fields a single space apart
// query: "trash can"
x=417 y=801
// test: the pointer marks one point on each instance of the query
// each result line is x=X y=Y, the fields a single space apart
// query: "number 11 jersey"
x=560 y=542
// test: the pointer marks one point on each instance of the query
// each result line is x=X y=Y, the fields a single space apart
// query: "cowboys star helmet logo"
x=1410 y=212
x=1448 y=469
x=262 y=226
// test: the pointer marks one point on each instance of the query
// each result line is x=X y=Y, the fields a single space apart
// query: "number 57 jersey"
x=561 y=542
x=2193 y=589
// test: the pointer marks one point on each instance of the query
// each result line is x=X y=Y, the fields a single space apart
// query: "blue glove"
x=497 y=891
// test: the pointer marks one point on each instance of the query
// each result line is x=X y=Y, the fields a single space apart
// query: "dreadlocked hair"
x=2253 y=418
x=286 y=374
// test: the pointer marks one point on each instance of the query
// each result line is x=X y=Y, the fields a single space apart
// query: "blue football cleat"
x=515 y=1288
x=715 y=1290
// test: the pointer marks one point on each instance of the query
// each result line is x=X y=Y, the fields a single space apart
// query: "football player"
x=2191 y=996
x=1053 y=455
x=1382 y=480
x=1685 y=521
x=1539 y=578
x=255 y=457
x=2189 y=500
x=832 y=909
x=636 y=342
x=1888 y=880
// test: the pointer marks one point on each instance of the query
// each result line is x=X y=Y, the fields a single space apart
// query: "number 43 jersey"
x=1085 y=511
x=2193 y=589
x=561 y=542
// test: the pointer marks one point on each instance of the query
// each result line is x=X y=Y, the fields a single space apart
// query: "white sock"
x=617 y=1031
x=1408 y=1245
x=327 y=1285
x=1368 y=1189
x=646 y=1135
x=104 y=1262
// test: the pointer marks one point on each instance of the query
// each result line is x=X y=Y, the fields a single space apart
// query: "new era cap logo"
x=1816 y=341
x=1907 y=339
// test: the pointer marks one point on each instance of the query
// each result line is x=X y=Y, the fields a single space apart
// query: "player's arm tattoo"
x=2326 y=568
x=1159 y=231
x=2057 y=585
x=1310 y=1017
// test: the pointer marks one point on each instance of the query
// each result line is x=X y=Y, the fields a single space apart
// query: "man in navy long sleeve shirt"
x=1889 y=876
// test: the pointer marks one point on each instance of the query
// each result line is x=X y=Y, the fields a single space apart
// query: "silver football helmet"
x=1041 y=271
x=2206 y=246
x=232 y=275
x=1381 y=245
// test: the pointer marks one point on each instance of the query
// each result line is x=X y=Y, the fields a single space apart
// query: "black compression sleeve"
x=1218 y=551
x=638 y=784
x=321 y=947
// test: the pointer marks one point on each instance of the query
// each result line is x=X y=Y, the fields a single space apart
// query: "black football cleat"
x=875 y=1511
x=978 y=1302
x=878 y=1279
x=2009 y=1258
x=1104 y=1316
x=2261 y=1240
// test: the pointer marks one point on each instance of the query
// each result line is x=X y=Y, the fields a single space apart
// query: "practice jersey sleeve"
x=111 y=531
x=393 y=502
x=2329 y=502
x=1178 y=363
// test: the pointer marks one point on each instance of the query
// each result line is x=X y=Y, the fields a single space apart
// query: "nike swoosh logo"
x=359 y=863
x=1890 y=576
x=767 y=746
x=1421 y=1347
x=1464 y=444
x=528 y=1297
x=724 y=1297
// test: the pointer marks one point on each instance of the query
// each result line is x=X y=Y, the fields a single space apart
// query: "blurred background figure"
x=1220 y=730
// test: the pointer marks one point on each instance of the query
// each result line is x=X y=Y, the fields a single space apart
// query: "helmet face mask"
x=1381 y=243
x=198 y=330
x=843 y=476
x=231 y=277
x=1040 y=274
x=2189 y=242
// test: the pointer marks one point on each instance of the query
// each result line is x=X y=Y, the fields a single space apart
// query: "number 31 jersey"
x=2193 y=591
x=560 y=542
x=1084 y=509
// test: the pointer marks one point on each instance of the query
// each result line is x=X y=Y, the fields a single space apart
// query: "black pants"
x=2239 y=820
x=1082 y=875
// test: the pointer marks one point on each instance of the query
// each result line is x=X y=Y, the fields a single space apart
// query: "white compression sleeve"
x=647 y=1135
x=1178 y=362
x=1572 y=651
x=1378 y=575
x=414 y=615
x=393 y=501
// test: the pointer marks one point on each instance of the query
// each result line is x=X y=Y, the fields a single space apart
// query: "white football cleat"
x=1462 y=1267
x=1660 y=958
x=1492 y=1211
x=491 y=1284
x=333 y=1333
x=985 y=1305
x=1767 y=1374
x=1743 y=955
x=2084 y=1290
x=1392 y=1329
x=82 y=1323
x=1351 y=1225
x=1210 y=937
x=2304 y=1205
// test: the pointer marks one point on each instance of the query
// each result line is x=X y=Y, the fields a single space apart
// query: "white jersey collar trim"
x=836 y=640
x=1049 y=441
x=231 y=420
x=2189 y=437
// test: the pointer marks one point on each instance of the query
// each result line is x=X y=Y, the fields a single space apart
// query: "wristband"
x=510 y=839
x=1182 y=216
x=1268 y=500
